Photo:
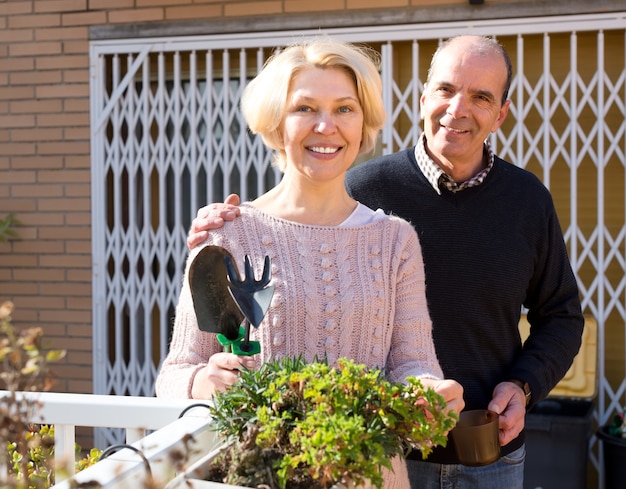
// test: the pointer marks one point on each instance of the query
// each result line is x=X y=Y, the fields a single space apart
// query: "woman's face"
x=322 y=125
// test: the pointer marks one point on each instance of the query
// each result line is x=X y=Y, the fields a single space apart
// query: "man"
x=491 y=244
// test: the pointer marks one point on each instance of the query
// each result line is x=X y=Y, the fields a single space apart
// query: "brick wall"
x=44 y=152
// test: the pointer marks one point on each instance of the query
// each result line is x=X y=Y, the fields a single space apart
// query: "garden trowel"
x=215 y=308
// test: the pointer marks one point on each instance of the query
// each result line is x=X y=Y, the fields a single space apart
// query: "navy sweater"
x=488 y=250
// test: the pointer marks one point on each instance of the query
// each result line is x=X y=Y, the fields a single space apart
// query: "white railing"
x=137 y=415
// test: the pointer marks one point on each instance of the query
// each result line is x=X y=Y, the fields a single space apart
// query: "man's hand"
x=210 y=217
x=509 y=401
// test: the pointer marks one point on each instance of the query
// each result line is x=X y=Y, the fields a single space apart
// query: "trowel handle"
x=239 y=346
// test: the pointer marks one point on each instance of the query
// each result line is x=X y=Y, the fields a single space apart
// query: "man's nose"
x=458 y=105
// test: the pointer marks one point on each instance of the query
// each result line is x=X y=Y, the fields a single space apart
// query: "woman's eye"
x=303 y=108
x=345 y=109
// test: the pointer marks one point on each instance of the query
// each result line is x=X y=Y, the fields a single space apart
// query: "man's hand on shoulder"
x=210 y=217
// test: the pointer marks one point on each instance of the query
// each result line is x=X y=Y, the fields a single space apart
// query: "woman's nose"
x=325 y=123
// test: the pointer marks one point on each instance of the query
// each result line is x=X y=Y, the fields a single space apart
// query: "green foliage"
x=618 y=425
x=339 y=423
x=24 y=366
x=40 y=472
x=6 y=226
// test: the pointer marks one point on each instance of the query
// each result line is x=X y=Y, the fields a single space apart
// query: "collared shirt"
x=436 y=176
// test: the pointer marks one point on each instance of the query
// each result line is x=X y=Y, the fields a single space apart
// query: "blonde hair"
x=265 y=97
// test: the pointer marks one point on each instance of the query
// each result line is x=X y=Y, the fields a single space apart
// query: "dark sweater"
x=487 y=251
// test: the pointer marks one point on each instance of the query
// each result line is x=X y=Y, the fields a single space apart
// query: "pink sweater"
x=355 y=292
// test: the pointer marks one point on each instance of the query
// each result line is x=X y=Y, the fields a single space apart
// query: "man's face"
x=461 y=104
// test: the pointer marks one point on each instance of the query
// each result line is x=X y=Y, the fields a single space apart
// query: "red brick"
x=37 y=162
x=36 y=78
x=139 y=15
x=76 y=133
x=37 y=275
x=76 y=105
x=38 y=190
x=33 y=21
x=34 y=48
x=79 y=218
x=68 y=176
x=254 y=8
x=36 y=135
x=62 y=33
x=16 y=35
x=76 y=76
x=71 y=119
x=17 y=64
x=36 y=218
x=55 y=91
x=61 y=6
x=68 y=316
x=76 y=47
x=64 y=289
x=113 y=4
x=79 y=61
x=16 y=149
x=60 y=147
x=84 y=18
x=193 y=12
x=58 y=205
x=164 y=3
x=16 y=8
x=12 y=121
x=17 y=93
x=35 y=106
x=78 y=162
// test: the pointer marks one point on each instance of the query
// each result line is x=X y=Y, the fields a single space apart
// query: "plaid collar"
x=436 y=176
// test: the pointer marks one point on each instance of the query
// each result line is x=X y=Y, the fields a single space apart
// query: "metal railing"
x=137 y=415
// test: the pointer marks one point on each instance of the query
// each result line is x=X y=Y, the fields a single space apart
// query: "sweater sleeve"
x=190 y=347
x=554 y=312
x=412 y=351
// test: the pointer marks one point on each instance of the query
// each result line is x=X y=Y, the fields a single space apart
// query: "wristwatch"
x=525 y=387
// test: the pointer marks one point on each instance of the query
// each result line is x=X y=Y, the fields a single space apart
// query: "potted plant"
x=292 y=424
x=613 y=438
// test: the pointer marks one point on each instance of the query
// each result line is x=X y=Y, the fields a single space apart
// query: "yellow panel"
x=581 y=379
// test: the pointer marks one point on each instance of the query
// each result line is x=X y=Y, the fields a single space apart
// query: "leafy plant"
x=323 y=424
x=24 y=366
x=6 y=226
x=40 y=471
x=618 y=425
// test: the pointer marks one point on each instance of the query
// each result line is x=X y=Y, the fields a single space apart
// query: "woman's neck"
x=327 y=207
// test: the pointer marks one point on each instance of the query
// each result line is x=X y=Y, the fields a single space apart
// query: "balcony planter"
x=195 y=476
x=614 y=459
x=313 y=425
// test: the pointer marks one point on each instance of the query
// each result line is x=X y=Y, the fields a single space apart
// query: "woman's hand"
x=450 y=390
x=219 y=374
x=210 y=217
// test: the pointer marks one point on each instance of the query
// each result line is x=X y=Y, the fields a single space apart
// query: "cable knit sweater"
x=355 y=292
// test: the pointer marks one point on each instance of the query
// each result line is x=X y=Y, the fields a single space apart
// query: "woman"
x=349 y=281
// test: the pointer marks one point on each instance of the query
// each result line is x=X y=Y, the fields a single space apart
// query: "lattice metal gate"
x=167 y=138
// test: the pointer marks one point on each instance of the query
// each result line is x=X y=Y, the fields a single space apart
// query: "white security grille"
x=167 y=137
